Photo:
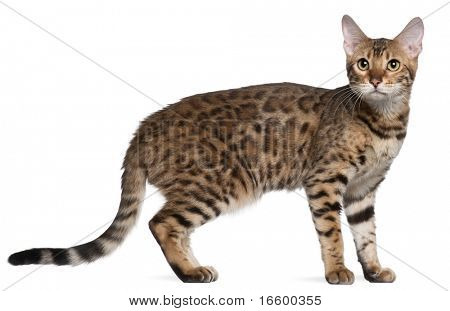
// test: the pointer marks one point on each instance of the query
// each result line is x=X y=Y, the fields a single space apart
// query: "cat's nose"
x=375 y=82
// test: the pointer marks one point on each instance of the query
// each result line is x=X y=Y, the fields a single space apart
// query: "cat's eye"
x=363 y=64
x=393 y=65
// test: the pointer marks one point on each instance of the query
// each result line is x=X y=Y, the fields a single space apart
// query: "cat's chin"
x=376 y=97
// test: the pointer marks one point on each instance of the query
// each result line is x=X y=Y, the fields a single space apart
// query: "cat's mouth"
x=377 y=91
x=370 y=91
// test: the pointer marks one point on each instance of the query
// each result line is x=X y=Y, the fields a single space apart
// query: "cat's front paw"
x=383 y=275
x=340 y=276
x=200 y=274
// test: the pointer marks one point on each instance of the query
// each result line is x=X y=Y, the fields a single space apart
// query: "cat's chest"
x=380 y=154
x=385 y=149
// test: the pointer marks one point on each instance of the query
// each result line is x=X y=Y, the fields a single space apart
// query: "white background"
x=65 y=125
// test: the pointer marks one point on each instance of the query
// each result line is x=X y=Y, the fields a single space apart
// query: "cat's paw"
x=383 y=275
x=340 y=276
x=202 y=274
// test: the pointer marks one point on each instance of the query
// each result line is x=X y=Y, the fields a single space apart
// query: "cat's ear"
x=410 y=38
x=353 y=35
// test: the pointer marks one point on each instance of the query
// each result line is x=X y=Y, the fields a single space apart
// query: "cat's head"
x=382 y=70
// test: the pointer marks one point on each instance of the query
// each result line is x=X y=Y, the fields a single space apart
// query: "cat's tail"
x=133 y=191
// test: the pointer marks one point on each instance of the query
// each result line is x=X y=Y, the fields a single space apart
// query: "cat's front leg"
x=325 y=197
x=361 y=218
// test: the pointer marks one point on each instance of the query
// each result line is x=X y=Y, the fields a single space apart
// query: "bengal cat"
x=215 y=152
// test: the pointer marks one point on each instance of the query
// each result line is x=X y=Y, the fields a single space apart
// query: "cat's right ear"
x=353 y=35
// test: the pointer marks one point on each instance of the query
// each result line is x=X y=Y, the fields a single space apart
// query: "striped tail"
x=133 y=191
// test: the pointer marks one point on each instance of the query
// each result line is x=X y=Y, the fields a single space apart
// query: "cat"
x=211 y=153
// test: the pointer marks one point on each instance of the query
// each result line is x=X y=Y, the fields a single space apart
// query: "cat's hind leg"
x=172 y=226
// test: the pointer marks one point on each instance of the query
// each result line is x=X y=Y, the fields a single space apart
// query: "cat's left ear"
x=353 y=35
x=410 y=38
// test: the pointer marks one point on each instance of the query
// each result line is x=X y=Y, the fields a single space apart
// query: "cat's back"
x=257 y=102
x=213 y=131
